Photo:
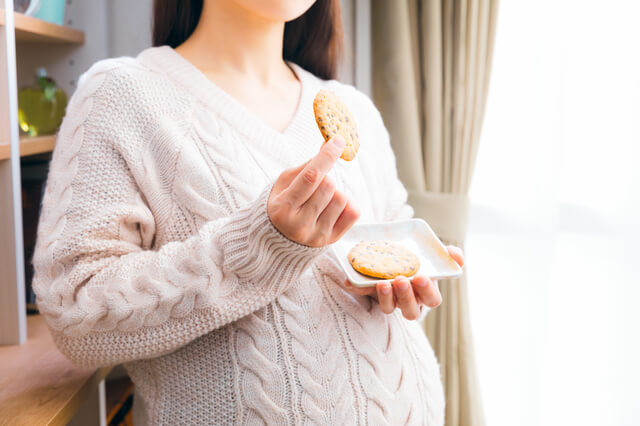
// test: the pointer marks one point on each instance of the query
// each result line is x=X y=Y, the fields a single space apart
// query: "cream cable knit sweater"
x=155 y=250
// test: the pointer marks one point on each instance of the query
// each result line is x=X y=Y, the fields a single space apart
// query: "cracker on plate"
x=383 y=259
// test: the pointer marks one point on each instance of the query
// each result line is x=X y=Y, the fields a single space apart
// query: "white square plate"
x=414 y=234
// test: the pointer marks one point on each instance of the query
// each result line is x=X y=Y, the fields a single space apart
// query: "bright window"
x=554 y=241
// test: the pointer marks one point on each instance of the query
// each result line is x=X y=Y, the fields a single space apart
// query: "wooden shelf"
x=30 y=146
x=117 y=393
x=33 y=30
x=39 y=385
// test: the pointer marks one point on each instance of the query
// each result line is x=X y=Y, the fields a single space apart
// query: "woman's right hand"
x=304 y=204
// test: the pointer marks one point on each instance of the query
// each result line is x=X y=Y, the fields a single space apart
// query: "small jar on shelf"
x=41 y=107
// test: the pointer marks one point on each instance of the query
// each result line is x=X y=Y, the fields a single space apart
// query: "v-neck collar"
x=190 y=77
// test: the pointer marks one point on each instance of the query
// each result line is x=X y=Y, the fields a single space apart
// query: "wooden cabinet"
x=21 y=40
x=32 y=30
x=38 y=385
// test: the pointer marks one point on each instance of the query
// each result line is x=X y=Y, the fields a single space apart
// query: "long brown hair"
x=313 y=41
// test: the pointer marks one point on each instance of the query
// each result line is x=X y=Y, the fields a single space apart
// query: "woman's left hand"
x=407 y=294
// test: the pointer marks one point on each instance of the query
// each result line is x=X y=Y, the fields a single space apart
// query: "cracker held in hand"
x=382 y=259
x=333 y=118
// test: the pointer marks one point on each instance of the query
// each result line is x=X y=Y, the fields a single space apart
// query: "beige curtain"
x=431 y=63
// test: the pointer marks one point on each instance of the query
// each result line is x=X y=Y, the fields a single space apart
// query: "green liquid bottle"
x=41 y=108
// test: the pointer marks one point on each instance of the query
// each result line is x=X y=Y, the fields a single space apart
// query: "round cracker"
x=383 y=259
x=334 y=118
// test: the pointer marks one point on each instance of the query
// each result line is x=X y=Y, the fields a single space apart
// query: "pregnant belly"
x=392 y=365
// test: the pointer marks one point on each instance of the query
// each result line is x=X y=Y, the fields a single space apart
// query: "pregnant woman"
x=186 y=222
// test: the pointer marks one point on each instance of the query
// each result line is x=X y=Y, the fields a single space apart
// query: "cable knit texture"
x=155 y=250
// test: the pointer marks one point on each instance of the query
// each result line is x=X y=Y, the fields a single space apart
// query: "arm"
x=108 y=300
x=106 y=296
x=408 y=295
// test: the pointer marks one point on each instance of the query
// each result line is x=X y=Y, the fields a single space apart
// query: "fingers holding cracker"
x=334 y=118
x=426 y=291
x=385 y=297
x=306 y=182
x=406 y=299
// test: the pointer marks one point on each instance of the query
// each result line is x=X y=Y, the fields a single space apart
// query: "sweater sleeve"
x=107 y=296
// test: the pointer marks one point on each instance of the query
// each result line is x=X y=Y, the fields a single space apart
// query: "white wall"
x=112 y=28
x=66 y=63
x=129 y=24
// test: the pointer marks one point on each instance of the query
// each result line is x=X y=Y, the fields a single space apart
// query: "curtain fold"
x=431 y=68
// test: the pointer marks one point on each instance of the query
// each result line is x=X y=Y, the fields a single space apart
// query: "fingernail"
x=403 y=285
x=339 y=141
x=422 y=283
x=386 y=289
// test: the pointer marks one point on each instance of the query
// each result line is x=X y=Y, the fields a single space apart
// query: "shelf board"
x=39 y=385
x=117 y=393
x=30 y=146
x=33 y=30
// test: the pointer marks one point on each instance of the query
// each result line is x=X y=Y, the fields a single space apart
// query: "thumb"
x=336 y=140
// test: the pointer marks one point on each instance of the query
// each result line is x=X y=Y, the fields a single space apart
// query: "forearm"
x=147 y=303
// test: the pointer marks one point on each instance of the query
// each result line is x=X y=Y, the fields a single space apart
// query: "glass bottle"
x=41 y=108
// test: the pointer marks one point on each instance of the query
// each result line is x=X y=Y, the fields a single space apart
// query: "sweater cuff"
x=255 y=250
